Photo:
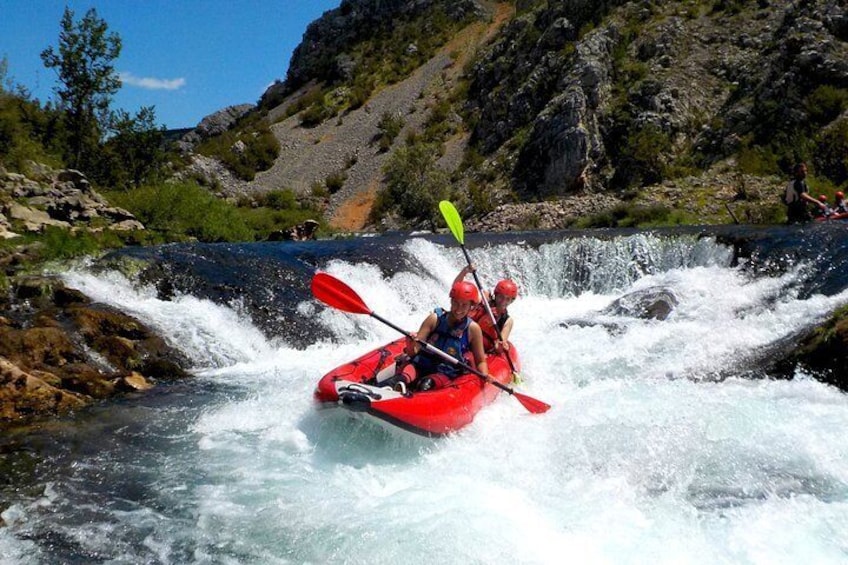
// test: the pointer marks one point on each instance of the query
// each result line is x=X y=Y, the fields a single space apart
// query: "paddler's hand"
x=409 y=348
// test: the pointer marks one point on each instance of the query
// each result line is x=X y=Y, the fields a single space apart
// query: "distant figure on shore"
x=797 y=195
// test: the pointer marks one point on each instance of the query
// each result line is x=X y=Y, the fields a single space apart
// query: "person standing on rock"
x=797 y=195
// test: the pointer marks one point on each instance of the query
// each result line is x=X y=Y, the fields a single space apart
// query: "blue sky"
x=188 y=58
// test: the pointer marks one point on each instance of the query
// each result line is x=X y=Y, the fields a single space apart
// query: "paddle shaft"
x=439 y=353
x=488 y=308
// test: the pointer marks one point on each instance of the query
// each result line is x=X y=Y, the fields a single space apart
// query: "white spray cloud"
x=151 y=83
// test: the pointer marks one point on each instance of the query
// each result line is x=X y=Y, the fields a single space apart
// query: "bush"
x=28 y=132
x=335 y=181
x=279 y=200
x=831 y=158
x=184 y=210
x=414 y=185
x=826 y=103
x=626 y=216
x=389 y=126
x=263 y=221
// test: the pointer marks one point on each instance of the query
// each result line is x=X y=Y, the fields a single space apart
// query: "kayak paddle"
x=455 y=224
x=333 y=292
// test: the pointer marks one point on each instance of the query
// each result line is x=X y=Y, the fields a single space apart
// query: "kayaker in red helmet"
x=506 y=291
x=825 y=210
x=839 y=206
x=451 y=331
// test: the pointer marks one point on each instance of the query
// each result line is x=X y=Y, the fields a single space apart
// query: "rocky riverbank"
x=60 y=352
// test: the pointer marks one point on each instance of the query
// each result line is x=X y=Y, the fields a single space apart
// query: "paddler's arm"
x=466 y=270
x=427 y=327
x=505 y=331
x=476 y=343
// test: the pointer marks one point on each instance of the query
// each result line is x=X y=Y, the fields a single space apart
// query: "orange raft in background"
x=355 y=387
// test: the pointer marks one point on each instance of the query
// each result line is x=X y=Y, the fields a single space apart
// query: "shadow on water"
x=339 y=438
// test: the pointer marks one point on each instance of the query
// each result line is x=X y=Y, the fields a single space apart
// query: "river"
x=666 y=441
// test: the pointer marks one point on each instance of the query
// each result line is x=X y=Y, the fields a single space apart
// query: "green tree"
x=88 y=80
x=415 y=184
x=136 y=146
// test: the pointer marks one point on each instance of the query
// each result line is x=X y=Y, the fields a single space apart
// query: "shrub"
x=626 y=215
x=260 y=149
x=831 y=158
x=180 y=210
x=279 y=200
x=826 y=103
x=335 y=181
x=60 y=243
x=389 y=126
x=263 y=221
x=414 y=185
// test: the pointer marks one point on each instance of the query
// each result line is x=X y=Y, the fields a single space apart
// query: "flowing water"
x=656 y=449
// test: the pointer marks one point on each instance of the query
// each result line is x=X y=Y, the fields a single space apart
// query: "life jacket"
x=453 y=341
x=490 y=335
x=792 y=194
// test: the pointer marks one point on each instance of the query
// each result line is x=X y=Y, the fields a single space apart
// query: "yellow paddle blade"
x=453 y=220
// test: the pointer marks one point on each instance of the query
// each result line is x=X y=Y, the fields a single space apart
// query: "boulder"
x=23 y=394
x=648 y=304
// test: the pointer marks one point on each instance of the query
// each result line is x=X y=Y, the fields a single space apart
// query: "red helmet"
x=464 y=290
x=840 y=194
x=822 y=198
x=507 y=288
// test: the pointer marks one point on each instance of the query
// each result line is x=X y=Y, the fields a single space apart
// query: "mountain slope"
x=571 y=107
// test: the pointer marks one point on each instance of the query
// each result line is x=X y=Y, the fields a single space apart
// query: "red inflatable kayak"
x=842 y=216
x=355 y=387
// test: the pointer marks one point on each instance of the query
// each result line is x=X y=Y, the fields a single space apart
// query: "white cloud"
x=152 y=83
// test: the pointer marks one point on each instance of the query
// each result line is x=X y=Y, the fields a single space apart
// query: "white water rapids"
x=655 y=451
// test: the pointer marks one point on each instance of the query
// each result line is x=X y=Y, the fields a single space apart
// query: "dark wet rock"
x=822 y=351
x=648 y=304
x=611 y=328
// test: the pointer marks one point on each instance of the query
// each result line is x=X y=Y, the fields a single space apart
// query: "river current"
x=667 y=441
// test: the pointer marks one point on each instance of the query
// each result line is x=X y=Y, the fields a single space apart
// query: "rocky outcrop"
x=60 y=352
x=60 y=198
x=323 y=54
x=821 y=351
x=698 y=82
x=550 y=215
x=212 y=125
x=648 y=304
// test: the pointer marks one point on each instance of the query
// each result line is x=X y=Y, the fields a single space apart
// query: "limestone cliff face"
x=324 y=54
x=701 y=77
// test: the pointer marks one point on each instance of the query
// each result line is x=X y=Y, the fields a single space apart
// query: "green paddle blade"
x=453 y=220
